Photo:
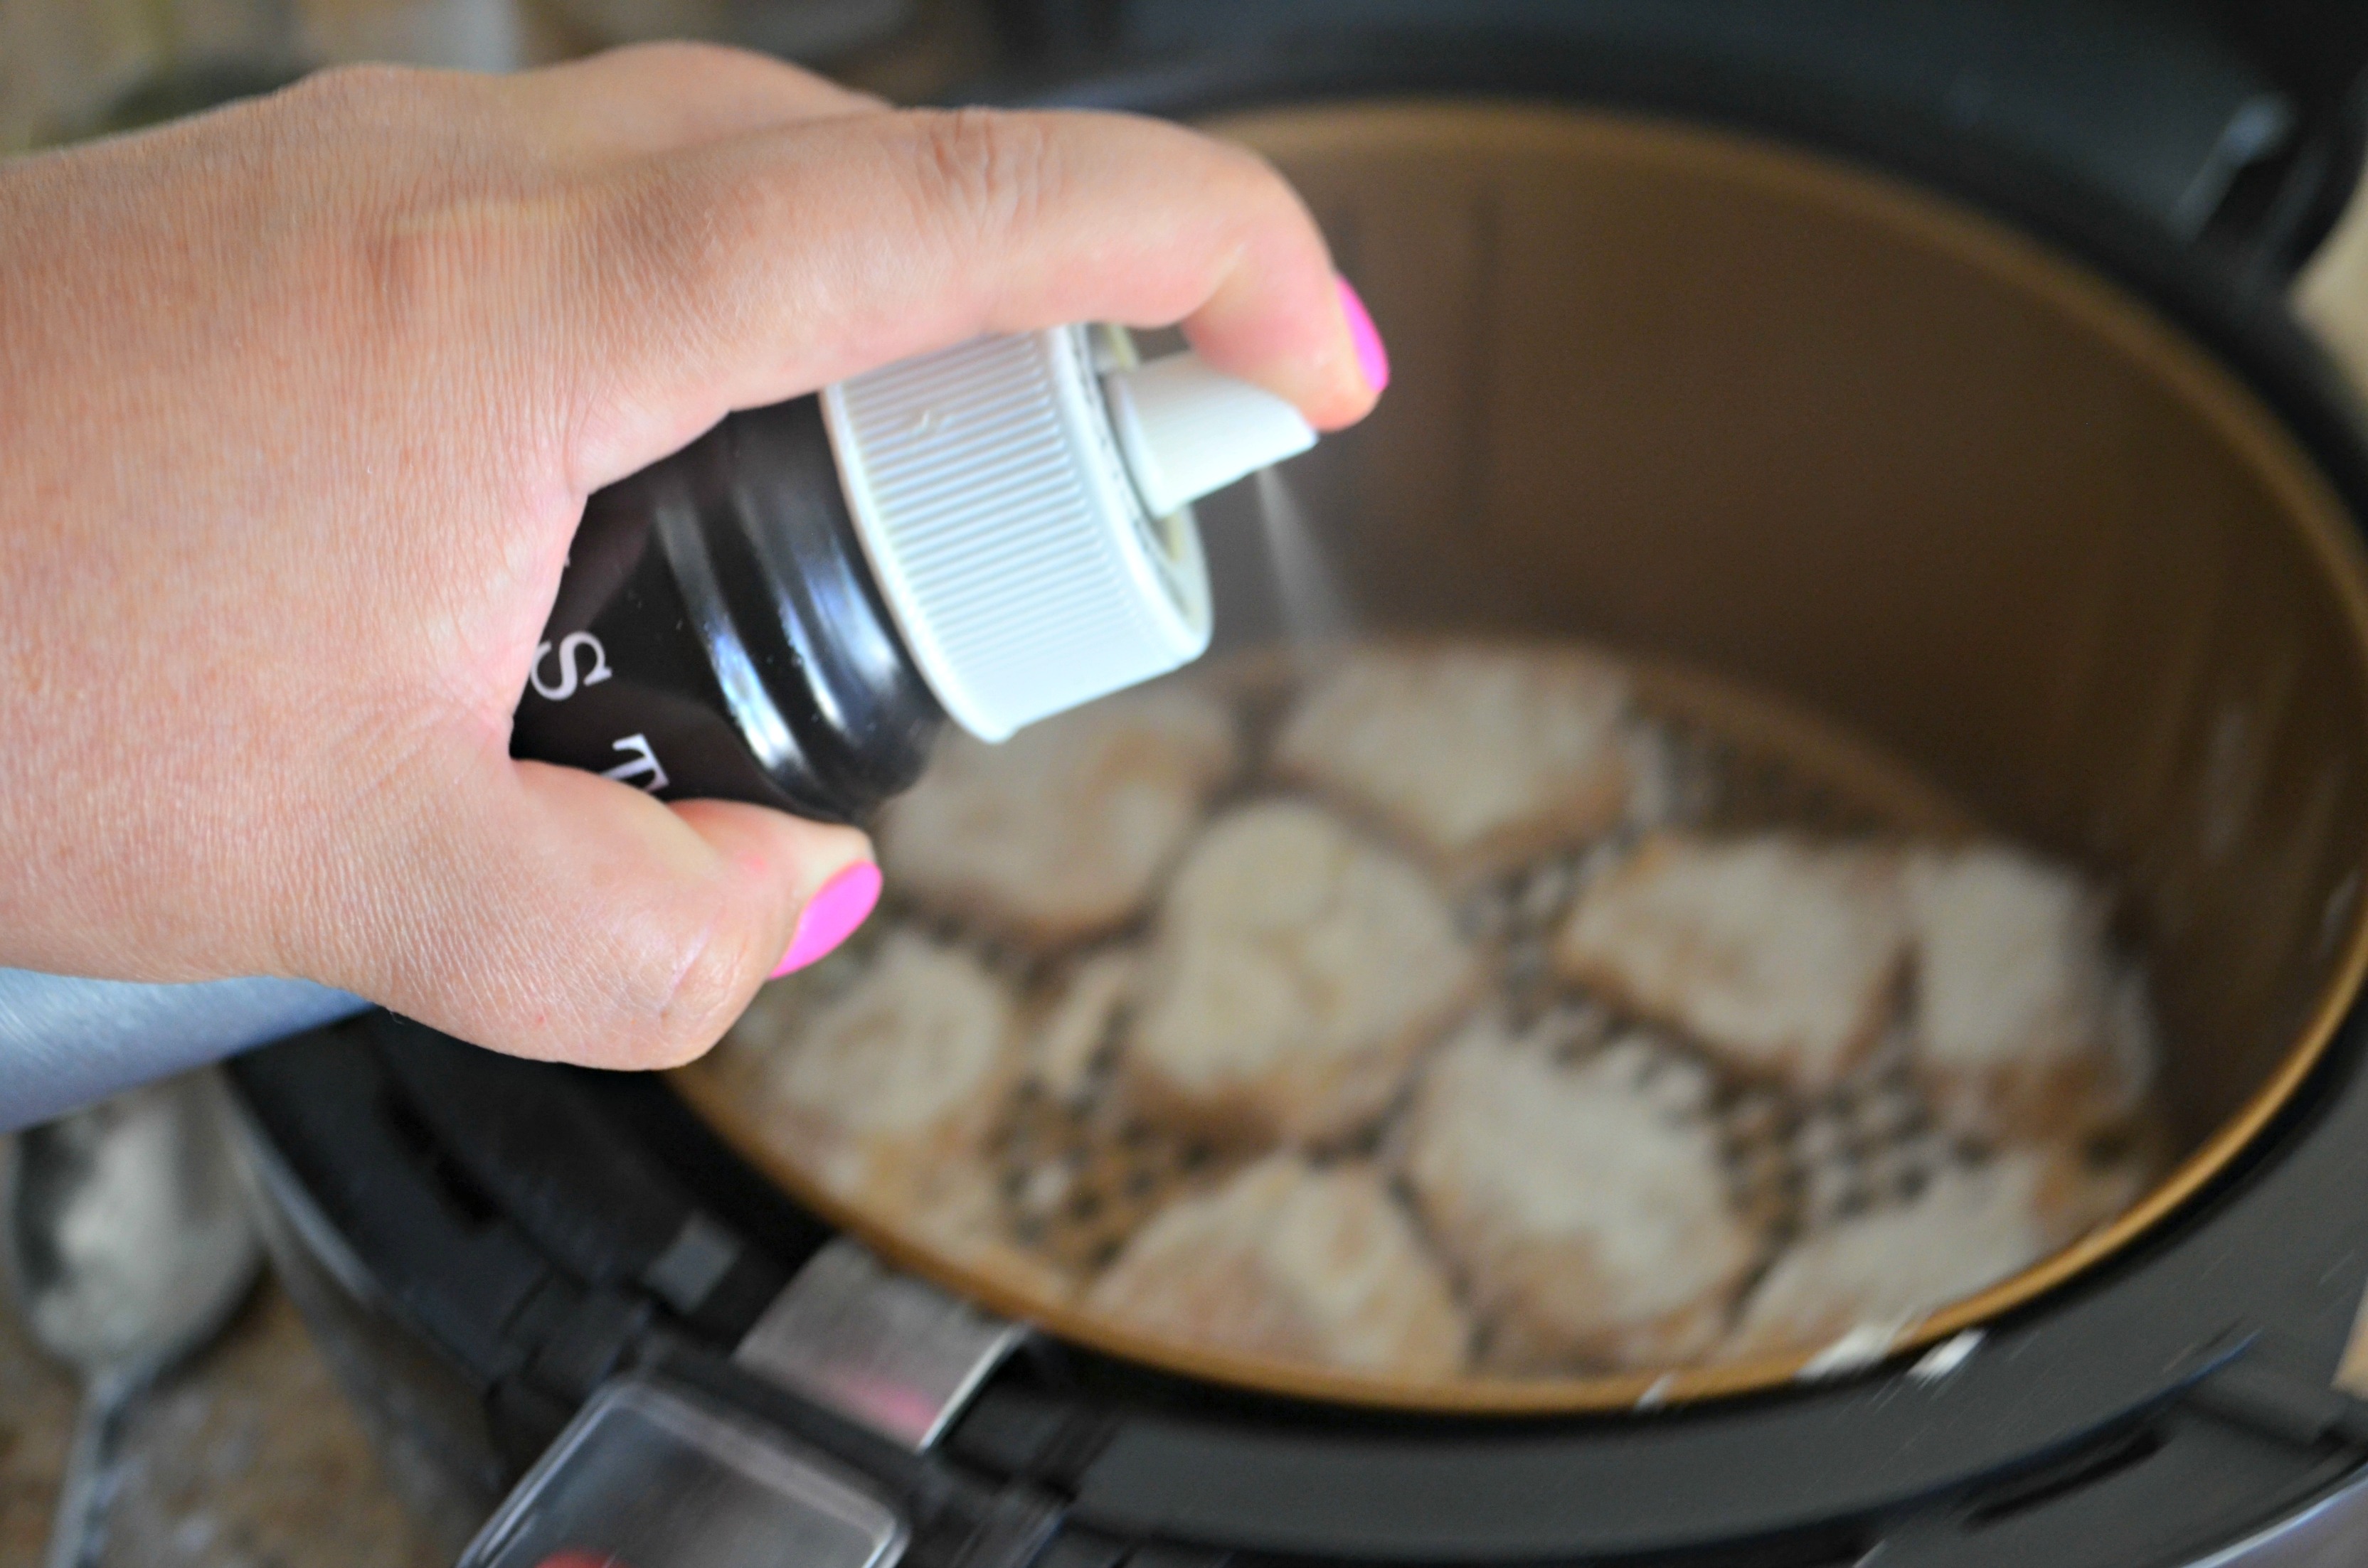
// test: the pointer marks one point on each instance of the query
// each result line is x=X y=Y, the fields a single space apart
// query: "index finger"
x=655 y=98
x=746 y=272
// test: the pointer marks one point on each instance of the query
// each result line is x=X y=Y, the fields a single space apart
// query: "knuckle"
x=369 y=107
x=416 y=270
x=354 y=86
x=677 y=51
x=693 y=59
x=479 y=254
x=701 y=983
x=986 y=170
x=1252 y=186
x=664 y=254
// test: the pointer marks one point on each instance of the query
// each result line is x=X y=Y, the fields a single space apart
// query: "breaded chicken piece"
x=1059 y=833
x=953 y=1205
x=902 y=1069
x=1078 y=1022
x=2023 y=1029
x=1292 y=1263
x=1781 y=955
x=1888 y=1267
x=1296 y=968
x=1585 y=1203
x=1483 y=756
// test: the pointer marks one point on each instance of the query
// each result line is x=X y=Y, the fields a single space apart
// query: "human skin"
x=300 y=403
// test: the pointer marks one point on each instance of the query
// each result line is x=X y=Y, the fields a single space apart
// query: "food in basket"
x=1290 y=1262
x=1449 y=1009
x=1583 y=1192
x=1297 y=968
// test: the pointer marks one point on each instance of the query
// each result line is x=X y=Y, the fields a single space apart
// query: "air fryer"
x=1981 y=470
x=1719 y=404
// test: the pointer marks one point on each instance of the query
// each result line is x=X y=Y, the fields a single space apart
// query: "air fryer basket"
x=1721 y=402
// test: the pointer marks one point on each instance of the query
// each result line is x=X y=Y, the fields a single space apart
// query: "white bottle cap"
x=1031 y=532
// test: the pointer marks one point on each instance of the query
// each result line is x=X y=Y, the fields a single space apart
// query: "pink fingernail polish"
x=831 y=916
x=1371 y=357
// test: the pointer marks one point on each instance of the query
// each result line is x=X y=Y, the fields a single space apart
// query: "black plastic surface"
x=718 y=634
x=436 y=1249
x=583 y=1190
x=2230 y=118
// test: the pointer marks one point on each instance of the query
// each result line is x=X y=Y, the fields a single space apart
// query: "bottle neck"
x=860 y=718
x=718 y=633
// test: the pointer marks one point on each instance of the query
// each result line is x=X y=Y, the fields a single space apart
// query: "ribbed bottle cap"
x=1012 y=542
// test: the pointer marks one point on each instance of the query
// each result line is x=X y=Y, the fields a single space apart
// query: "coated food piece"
x=2023 y=1028
x=1781 y=956
x=1176 y=1122
x=1484 y=758
x=1296 y=970
x=1968 y=1228
x=1585 y=1202
x=1292 y=1263
x=899 y=1070
x=1060 y=832
x=1077 y=1025
x=953 y=1205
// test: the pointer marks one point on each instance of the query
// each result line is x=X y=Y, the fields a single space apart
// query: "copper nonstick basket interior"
x=1733 y=408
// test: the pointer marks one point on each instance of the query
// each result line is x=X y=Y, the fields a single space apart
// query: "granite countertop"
x=249 y=1459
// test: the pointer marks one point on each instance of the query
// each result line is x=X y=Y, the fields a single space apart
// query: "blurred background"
x=70 y=68
x=2235 y=117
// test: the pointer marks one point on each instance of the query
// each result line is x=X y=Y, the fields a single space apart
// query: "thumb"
x=561 y=916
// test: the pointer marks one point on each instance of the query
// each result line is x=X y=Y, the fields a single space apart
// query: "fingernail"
x=831 y=916
x=1371 y=357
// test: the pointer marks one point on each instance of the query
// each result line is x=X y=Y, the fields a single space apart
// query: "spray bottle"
x=790 y=609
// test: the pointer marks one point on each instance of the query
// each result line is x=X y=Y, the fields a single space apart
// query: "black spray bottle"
x=788 y=610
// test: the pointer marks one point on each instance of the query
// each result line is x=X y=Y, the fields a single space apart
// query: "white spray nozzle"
x=1188 y=429
x=1023 y=501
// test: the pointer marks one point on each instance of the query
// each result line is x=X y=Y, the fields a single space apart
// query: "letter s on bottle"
x=570 y=676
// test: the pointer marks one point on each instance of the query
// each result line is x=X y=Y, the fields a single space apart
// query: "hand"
x=300 y=403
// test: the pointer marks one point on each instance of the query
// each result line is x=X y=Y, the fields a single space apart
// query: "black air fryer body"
x=481 y=1241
